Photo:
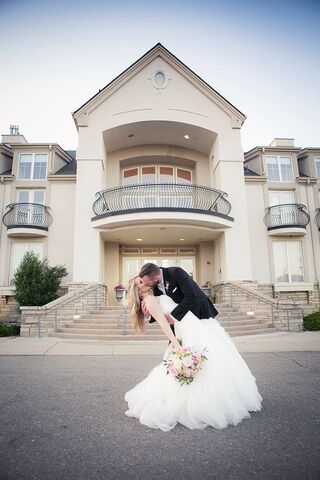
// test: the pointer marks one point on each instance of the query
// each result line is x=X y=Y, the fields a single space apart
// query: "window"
x=281 y=197
x=317 y=163
x=156 y=174
x=131 y=176
x=31 y=196
x=148 y=174
x=279 y=168
x=288 y=261
x=33 y=166
x=159 y=79
x=166 y=175
x=17 y=252
x=280 y=214
x=183 y=176
x=27 y=212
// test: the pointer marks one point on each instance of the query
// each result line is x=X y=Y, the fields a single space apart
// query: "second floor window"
x=31 y=196
x=317 y=163
x=279 y=168
x=33 y=166
x=156 y=174
x=280 y=197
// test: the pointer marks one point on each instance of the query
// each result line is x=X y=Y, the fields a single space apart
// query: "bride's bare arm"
x=152 y=305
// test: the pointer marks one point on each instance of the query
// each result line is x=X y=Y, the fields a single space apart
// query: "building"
x=160 y=175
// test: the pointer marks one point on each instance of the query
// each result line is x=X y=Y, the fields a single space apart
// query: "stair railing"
x=46 y=310
x=258 y=305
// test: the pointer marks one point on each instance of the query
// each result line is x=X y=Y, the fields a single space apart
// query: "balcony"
x=167 y=203
x=287 y=219
x=27 y=219
x=161 y=197
x=317 y=218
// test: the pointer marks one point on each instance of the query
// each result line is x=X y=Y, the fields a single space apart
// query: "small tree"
x=36 y=283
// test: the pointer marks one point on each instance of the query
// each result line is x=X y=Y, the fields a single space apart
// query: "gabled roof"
x=158 y=50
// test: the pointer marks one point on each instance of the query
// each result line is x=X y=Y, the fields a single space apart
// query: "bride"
x=222 y=393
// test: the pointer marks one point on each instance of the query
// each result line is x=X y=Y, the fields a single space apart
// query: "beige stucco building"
x=159 y=175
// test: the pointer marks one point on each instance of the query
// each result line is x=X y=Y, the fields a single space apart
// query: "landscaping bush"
x=9 y=330
x=36 y=282
x=312 y=321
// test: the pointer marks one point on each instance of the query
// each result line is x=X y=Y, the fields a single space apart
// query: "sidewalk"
x=272 y=342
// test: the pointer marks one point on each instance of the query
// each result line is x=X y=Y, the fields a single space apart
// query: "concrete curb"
x=273 y=342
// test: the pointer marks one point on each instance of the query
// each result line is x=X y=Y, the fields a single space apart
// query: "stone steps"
x=108 y=331
x=80 y=336
x=106 y=323
x=252 y=332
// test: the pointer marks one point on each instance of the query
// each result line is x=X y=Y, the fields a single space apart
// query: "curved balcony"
x=317 y=218
x=27 y=219
x=287 y=219
x=161 y=197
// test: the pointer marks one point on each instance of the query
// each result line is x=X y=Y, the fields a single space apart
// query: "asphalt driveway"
x=62 y=417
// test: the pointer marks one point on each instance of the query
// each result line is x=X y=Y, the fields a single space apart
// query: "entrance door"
x=132 y=265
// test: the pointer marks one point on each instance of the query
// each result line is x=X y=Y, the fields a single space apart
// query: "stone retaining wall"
x=80 y=299
x=284 y=315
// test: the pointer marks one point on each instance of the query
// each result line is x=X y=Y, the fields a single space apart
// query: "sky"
x=262 y=56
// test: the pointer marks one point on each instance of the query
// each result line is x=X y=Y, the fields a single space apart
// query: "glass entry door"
x=132 y=265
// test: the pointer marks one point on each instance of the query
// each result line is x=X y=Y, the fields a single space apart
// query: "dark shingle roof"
x=68 y=169
x=72 y=153
x=250 y=173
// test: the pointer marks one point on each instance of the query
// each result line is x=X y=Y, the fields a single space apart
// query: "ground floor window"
x=132 y=265
x=288 y=261
x=17 y=252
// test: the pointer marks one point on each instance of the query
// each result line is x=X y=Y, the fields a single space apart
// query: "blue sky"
x=262 y=56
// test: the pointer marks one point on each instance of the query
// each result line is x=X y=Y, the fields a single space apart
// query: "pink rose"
x=173 y=370
x=187 y=362
x=188 y=373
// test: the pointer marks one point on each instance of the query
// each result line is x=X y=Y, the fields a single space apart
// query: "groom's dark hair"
x=149 y=269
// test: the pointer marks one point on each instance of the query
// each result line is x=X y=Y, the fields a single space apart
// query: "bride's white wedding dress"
x=221 y=394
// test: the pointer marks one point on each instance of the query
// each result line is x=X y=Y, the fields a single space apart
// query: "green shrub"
x=9 y=330
x=36 y=283
x=312 y=322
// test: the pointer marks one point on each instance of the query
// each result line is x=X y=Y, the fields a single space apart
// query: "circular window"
x=159 y=79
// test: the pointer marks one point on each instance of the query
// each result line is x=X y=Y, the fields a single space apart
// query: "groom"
x=178 y=285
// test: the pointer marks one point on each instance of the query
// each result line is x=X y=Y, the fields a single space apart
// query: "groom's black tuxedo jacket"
x=184 y=291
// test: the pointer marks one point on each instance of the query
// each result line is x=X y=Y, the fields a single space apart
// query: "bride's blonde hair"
x=134 y=304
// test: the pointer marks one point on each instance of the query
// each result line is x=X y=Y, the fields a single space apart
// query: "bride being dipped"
x=222 y=393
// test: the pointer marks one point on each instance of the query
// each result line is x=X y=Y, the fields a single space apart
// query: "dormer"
x=276 y=162
x=309 y=163
x=6 y=156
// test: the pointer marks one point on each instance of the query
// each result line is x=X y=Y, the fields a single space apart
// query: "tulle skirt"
x=222 y=393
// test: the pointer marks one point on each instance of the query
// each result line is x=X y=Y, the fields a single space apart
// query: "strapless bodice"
x=167 y=304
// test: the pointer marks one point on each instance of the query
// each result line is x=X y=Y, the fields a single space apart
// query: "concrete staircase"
x=107 y=323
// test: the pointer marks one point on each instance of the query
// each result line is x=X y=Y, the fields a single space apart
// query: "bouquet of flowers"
x=184 y=364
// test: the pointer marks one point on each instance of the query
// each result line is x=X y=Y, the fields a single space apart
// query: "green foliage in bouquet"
x=312 y=322
x=36 y=282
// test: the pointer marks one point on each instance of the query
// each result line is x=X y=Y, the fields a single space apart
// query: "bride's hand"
x=177 y=346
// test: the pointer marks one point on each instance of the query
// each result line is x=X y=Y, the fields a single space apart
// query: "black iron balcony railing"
x=286 y=215
x=317 y=218
x=27 y=215
x=161 y=197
